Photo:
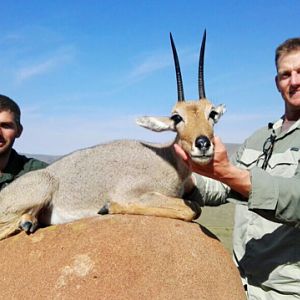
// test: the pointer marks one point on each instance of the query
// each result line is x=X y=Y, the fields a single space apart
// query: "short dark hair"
x=8 y=104
x=287 y=46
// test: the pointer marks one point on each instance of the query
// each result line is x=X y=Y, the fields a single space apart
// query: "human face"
x=288 y=83
x=9 y=131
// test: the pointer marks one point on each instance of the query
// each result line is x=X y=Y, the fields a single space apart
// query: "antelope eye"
x=213 y=114
x=176 y=118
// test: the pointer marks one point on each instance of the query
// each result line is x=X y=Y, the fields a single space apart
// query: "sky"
x=83 y=71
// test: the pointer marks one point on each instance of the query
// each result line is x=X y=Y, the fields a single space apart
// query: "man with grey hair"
x=12 y=164
x=263 y=179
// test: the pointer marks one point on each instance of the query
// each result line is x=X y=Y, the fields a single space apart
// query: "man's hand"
x=220 y=168
x=214 y=169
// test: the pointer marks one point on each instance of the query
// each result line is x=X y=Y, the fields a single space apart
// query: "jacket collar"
x=276 y=126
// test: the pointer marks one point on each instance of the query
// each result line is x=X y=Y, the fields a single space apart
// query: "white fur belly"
x=60 y=216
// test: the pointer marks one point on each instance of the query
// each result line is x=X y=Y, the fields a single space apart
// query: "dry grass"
x=219 y=220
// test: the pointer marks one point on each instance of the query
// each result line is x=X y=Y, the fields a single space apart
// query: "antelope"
x=119 y=177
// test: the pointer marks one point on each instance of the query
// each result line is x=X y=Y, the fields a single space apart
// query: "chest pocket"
x=249 y=159
x=280 y=164
x=284 y=164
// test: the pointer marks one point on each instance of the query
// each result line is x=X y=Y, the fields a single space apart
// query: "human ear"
x=19 y=130
x=276 y=82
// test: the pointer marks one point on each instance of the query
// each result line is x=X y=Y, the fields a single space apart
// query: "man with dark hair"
x=263 y=178
x=12 y=165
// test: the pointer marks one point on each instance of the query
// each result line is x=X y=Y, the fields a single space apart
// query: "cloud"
x=57 y=135
x=49 y=64
x=61 y=135
x=150 y=65
x=11 y=38
x=245 y=117
x=155 y=62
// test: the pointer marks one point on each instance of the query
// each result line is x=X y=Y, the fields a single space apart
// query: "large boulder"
x=118 y=257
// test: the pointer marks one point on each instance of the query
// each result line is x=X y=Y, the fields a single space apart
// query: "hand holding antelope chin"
x=219 y=168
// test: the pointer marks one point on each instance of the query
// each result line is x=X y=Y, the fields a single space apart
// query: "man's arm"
x=273 y=197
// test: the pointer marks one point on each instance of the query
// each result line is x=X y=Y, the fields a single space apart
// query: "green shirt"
x=17 y=166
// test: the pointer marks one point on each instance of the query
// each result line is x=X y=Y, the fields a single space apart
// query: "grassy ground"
x=219 y=220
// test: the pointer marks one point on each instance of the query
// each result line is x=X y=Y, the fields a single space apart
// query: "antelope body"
x=124 y=176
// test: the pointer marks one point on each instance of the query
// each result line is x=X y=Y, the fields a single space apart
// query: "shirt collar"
x=276 y=126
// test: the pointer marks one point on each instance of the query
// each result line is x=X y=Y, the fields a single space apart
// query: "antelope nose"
x=202 y=143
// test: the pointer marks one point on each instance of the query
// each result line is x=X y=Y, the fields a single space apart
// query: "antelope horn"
x=201 y=68
x=178 y=72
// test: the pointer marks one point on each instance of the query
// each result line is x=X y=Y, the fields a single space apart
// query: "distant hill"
x=231 y=147
x=43 y=157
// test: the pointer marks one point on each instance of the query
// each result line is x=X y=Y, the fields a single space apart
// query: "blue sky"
x=82 y=71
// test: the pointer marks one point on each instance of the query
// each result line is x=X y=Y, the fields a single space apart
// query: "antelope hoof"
x=195 y=206
x=198 y=214
x=28 y=223
x=104 y=210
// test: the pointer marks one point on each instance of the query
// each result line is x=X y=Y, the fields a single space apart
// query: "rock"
x=118 y=257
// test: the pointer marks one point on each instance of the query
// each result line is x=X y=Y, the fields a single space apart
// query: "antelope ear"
x=157 y=124
x=220 y=110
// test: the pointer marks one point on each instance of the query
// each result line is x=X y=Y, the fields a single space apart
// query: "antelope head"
x=193 y=120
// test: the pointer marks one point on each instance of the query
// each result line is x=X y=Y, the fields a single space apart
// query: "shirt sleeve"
x=276 y=198
x=208 y=192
